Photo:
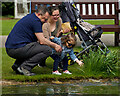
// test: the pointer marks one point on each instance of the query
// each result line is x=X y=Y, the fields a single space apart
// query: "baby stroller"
x=89 y=34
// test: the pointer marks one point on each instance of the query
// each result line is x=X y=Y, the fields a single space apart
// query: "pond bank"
x=13 y=82
x=84 y=87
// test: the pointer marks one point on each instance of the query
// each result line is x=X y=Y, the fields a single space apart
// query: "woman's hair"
x=52 y=8
x=69 y=37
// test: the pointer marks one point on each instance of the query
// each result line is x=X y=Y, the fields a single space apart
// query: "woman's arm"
x=60 y=31
x=46 y=30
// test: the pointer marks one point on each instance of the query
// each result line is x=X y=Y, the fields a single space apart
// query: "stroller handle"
x=71 y=1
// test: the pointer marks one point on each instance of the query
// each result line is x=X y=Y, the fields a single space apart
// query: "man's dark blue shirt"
x=24 y=31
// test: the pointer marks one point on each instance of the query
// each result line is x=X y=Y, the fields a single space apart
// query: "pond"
x=71 y=88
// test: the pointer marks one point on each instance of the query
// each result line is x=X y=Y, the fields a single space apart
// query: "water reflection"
x=67 y=89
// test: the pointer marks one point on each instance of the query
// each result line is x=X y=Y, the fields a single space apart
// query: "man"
x=27 y=44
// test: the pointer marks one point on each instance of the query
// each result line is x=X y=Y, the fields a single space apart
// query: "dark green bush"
x=95 y=63
x=7 y=8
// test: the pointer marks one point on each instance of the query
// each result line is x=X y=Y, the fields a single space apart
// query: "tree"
x=7 y=8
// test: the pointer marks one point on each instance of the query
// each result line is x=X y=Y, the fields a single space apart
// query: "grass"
x=7 y=16
x=44 y=74
x=7 y=25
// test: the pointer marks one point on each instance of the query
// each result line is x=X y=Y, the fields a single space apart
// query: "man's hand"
x=58 y=48
x=43 y=40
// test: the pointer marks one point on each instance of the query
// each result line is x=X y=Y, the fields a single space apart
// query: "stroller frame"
x=79 y=29
x=94 y=43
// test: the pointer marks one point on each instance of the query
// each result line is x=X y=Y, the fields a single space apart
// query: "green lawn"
x=7 y=25
x=44 y=74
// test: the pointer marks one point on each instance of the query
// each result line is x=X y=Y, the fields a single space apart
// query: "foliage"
x=97 y=63
x=7 y=8
x=7 y=26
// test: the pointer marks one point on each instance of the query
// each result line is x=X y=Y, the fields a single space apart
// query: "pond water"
x=63 y=89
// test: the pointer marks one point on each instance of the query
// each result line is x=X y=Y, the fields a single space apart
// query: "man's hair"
x=42 y=10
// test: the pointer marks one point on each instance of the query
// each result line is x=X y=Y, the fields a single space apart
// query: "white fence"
x=22 y=7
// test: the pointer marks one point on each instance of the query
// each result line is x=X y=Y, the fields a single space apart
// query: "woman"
x=53 y=28
x=53 y=25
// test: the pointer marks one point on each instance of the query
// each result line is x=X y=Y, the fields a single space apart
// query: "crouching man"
x=22 y=43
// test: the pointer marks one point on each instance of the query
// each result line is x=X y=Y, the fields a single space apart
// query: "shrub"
x=7 y=8
x=95 y=63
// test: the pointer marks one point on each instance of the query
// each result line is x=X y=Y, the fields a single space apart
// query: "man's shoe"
x=66 y=72
x=14 y=67
x=56 y=72
x=41 y=65
x=25 y=71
